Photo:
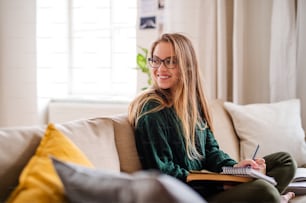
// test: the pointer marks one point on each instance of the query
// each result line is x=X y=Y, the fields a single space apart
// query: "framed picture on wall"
x=148 y=22
x=161 y=4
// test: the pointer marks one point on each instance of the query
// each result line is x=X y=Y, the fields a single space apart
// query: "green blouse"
x=160 y=144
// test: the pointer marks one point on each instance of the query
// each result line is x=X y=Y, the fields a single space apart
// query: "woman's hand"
x=257 y=164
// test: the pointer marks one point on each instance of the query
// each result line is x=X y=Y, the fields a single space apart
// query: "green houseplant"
x=143 y=66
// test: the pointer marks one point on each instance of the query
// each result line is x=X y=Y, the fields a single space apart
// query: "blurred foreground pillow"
x=83 y=184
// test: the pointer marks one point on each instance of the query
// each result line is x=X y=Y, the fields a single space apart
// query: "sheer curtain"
x=249 y=50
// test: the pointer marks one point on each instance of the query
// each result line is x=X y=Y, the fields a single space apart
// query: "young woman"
x=174 y=131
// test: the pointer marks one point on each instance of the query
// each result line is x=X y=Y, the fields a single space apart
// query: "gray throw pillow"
x=83 y=184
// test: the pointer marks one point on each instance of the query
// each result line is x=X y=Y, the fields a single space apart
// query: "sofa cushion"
x=125 y=142
x=38 y=180
x=224 y=130
x=83 y=184
x=17 y=146
x=95 y=138
x=274 y=126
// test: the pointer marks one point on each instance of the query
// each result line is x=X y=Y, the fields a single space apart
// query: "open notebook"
x=247 y=172
x=230 y=174
x=298 y=184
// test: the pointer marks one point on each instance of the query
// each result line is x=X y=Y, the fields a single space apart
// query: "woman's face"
x=165 y=76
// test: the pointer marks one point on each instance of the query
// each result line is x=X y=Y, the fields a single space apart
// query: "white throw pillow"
x=274 y=126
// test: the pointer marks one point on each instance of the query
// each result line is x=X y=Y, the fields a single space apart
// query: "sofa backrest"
x=17 y=145
x=95 y=137
x=125 y=142
x=224 y=130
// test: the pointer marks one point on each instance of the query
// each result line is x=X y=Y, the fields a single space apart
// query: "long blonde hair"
x=188 y=100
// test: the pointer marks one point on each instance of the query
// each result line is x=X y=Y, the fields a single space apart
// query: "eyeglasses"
x=169 y=62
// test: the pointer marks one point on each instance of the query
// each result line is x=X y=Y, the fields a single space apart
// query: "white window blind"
x=87 y=49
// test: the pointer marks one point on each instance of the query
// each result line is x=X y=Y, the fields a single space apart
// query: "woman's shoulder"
x=151 y=104
x=148 y=100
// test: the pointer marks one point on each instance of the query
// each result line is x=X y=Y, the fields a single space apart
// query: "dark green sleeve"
x=155 y=152
x=215 y=158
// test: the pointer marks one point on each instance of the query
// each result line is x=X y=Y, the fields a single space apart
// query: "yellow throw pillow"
x=39 y=181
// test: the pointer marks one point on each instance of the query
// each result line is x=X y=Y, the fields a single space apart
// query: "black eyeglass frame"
x=168 y=61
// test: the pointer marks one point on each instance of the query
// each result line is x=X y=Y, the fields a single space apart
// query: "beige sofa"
x=108 y=142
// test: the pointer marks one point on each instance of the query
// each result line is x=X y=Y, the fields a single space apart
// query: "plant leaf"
x=145 y=50
x=142 y=62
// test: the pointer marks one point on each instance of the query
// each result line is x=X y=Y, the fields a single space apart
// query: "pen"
x=256 y=150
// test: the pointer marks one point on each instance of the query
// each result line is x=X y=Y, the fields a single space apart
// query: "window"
x=86 y=49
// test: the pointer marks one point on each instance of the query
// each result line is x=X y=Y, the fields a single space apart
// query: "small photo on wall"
x=161 y=4
x=148 y=22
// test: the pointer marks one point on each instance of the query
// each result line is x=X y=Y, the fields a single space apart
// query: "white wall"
x=17 y=63
x=63 y=111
